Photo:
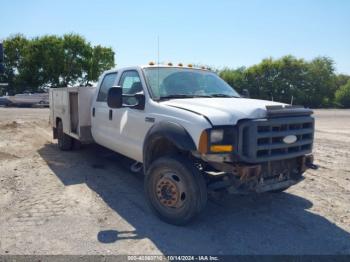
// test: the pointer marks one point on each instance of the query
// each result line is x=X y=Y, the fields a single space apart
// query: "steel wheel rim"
x=170 y=191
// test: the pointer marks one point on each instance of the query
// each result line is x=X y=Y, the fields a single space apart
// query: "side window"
x=131 y=83
x=106 y=84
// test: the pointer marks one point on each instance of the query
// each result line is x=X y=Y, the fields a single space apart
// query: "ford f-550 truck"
x=190 y=133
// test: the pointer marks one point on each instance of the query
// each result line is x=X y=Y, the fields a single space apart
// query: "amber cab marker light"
x=221 y=148
x=151 y=63
x=203 y=143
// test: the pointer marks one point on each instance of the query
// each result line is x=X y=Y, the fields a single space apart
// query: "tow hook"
x=136 y=167
x=309 y=162
x=312 y=166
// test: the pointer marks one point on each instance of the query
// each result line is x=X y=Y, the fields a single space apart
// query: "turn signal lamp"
x=203 y=143
x=221 y=148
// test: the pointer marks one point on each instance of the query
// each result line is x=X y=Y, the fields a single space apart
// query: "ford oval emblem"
x=290 y=139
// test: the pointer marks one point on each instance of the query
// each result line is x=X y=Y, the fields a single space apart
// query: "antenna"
x=158 y=62
x=158 y=49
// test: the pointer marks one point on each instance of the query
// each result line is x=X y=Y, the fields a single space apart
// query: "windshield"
x=170 y=82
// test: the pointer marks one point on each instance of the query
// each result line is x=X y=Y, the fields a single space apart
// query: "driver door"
x=129 y=123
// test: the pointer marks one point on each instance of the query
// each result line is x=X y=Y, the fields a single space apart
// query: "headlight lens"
x=216 y=136
x=219 y=140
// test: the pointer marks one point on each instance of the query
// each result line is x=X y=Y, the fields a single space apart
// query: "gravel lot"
x=87 y=202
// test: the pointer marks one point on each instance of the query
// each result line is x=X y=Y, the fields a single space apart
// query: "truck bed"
x=72 y=105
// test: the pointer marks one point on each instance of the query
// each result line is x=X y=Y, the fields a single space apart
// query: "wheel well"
x=160 y=147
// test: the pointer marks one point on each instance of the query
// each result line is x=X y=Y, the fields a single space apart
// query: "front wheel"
x=175 y=189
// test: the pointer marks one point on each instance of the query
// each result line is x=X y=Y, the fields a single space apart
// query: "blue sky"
x=217 y=33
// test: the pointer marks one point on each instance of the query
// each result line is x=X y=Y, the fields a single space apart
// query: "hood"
x=224 y=111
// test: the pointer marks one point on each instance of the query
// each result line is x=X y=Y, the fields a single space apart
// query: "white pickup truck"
x=189 y=132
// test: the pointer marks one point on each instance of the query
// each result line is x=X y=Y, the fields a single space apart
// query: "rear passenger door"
x=102 y=127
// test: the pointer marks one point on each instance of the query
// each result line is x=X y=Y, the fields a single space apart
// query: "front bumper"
x=259 y=178
x=273 y=185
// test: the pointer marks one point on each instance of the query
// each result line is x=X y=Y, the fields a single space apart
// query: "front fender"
x=172 y=132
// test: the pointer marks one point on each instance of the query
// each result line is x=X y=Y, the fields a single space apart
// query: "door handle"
x=110 y=114
x=93 y=111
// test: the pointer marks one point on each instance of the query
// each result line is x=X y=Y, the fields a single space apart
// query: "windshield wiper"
x=194 y=96
x=222 y=95
x=181 y=96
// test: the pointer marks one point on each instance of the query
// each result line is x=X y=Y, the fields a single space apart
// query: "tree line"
x=56 y=61
x=52 y=61
x=291 y=80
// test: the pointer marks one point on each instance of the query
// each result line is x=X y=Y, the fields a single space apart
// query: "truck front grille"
x=262 y=139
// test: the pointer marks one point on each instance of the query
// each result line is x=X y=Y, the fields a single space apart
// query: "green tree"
x=342 y=95
x=288 y=78
x=53 y=61
x=321 y=82
x=341 y=80
x=234 y=78
x=101 y=59
x=77 y=56
x=14 y=48
x=43 y=63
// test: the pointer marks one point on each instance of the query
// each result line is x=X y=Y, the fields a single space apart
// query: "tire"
x=175 y=189
x=65 y=142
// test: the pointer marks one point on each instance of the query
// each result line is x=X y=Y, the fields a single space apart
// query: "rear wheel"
x=65 y=142
x=175 y=189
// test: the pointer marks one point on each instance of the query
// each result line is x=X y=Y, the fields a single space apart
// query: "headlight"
x=220 y=140
x=216 y=136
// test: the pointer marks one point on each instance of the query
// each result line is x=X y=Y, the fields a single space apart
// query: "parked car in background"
x=5 y=101
x=30 y=99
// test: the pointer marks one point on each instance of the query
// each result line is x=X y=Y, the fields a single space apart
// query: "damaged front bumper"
x=264 y=177
x=273 y=185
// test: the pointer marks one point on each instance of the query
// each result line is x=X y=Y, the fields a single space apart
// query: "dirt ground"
x=87 y=202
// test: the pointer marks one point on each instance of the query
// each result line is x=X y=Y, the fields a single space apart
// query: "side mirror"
x=140 y=101
x=115 y=97
x=245 y=93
